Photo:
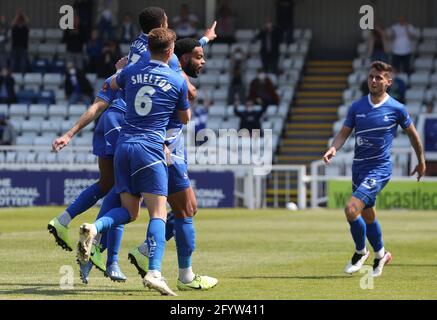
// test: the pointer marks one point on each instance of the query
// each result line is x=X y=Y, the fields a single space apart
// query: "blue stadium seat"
x=26 y=96
x=57 y=66
x=40 y=65
x=46 y=97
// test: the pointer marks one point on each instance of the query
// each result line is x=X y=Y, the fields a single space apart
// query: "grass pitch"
x=260 y=255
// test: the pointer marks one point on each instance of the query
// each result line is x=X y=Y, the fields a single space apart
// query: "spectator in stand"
x=74 y=40
x=20 y=41
x=94 y=49
x=77 y=86
x=376 y=44
x=262 y=90
x=108 y=12
x=237 y=89
x=404 y=36
x=398 y=88
x=3 y=42
x=128 y=31
x=250 y=118
x=84 y=9
x=285 y=19
x=429 y=107
x=110 y=56
x=270 y=37
x=225 y=24
x=7 y=90
x=8 y=134
x=185 y=24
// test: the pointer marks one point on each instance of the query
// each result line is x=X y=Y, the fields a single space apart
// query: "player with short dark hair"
x=375 y=118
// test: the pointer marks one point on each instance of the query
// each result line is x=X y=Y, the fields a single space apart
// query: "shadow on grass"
x=43 y=290
x=412 y=265
x=292 y=277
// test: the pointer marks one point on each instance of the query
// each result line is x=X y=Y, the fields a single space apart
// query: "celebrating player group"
x=141 y=156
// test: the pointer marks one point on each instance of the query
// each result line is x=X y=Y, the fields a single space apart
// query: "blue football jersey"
x=115 y=98
x=138 y=51
x=152 y=92
x=375 y=128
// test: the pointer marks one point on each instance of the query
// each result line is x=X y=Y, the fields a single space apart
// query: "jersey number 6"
x=143 y=101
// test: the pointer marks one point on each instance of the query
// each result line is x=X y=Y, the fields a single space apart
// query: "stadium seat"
x=57 y=66
x=254 y=63
x=53 y=35
x=10 y=157
x=415 y=95
x=92 y=77
x=40 y=65
x=255 y=48
x=66 y=125
x=32 y=78
x=18 y=77
x=4 y=110
x=36 y=34
x=25 y=140
x=427 y=48
x=423 y=63
x=219 y=50
x=46 y=96
x=419 y=79
x=26 y=96
x=2 y=157
x=244 y=35
x=47 y=50
x=31 y=126
x=332 y=170
x=245 y=47
x=429 y=34
x=208 y=80
x=51 y=126
x=44 y=140
x=82 y=141
x=65 y=157
x=58 y=110
x=52 y=79
x=76 y=110
x=214 y=123
x=272 y=110
x=18 y=110
x=217 y=110
x=220 y=96
x=124 y=48
x=38 y=110
x=232 y=123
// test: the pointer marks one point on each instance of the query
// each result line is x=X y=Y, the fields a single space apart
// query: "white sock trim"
x=364 y=251
x=380 y=254
x=64 y=218
x=186 y=275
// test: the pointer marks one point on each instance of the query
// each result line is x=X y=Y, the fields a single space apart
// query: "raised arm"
x=338 y=142
x=86 y=118
x=418 y=148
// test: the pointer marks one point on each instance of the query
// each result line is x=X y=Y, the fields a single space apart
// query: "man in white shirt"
x=403 y=35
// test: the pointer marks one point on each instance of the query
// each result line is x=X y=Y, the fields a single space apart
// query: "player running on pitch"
x=375 y=118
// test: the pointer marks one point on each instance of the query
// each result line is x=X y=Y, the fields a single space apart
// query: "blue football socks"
x=85 y=200
x=185 y=241
x=358 y=231
x=374 y=234
x=156 y=243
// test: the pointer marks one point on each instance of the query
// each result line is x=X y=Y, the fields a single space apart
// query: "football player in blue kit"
x=181 y=196
x=149 y=18
x=104 y=141
x=375 y=118
x=153 y=91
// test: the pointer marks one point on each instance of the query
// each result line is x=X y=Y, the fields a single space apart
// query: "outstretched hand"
x=210 y=32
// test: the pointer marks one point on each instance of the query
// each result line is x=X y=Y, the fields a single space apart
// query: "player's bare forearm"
x=184 y=116
x=192 y=91
x=341 y=137
x=92 y=113
x=416 y=143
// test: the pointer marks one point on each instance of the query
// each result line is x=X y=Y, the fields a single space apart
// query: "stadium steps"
x=309 y=122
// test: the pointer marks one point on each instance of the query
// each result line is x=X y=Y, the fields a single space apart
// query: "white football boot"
x=356 y=262
x=158 y=283
x=378 y=264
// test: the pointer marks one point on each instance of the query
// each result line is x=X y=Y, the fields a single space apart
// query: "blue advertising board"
x=38 y=188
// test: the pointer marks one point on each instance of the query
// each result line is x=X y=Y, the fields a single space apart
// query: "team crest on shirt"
x=386 y=118
x=369 y=183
